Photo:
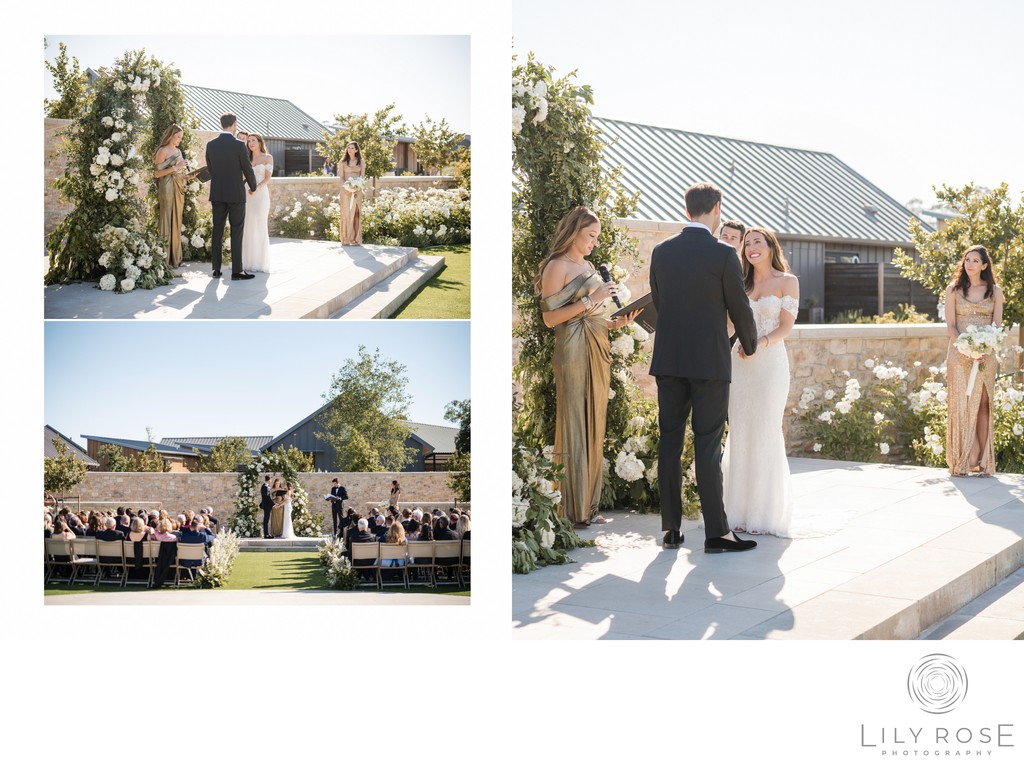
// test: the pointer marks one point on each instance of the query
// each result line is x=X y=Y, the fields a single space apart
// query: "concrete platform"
x=917 y=546
x=310 y=280
x=294 y=545
x=219 y=597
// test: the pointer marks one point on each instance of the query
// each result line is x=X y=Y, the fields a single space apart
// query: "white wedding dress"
x=287 y=532
x=255 y=235
x=755 y=469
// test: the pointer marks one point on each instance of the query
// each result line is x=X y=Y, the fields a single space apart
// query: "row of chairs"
x=112 y=561
x=429 y=560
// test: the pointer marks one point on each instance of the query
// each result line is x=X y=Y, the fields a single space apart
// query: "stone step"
x=295 y=545
x=906 y=596
x=388 y=295
x=997 y=614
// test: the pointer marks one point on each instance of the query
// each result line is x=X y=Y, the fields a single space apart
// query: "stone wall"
x=284 y=191
x=179 y=492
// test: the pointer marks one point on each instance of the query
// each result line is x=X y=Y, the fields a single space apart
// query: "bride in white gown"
x=756 y=472
x=287 y=532
x=255 y=235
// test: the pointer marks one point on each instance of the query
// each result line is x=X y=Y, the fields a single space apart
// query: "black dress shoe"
x=216 y=275
x=243 y=275
x=672 y=538
x=724 y=545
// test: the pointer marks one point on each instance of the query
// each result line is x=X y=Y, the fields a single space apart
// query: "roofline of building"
x=160 y=448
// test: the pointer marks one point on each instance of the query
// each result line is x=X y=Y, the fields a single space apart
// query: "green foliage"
x=226 y=456
x=104 y=237
x=463 y=168
x=368 y=400
x=907 y=314
x=150 y=462
x=63 y=473
x=316 y=218
x=985 y=217
x=112 y=456
x=459 y=411
x=459 y=476
x=375 y=135
x=69 y=82
x=436 y=144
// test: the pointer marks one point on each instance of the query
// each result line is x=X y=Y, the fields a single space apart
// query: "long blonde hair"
x=572 y=223
x=779 y=262
x=166 y=137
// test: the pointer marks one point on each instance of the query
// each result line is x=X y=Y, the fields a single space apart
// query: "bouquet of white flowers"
x=976 y=343
x=355 y=183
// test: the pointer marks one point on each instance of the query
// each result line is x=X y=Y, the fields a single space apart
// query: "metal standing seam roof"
x=142 y=446
x=50 y=433
x=270 y=117
x=790 y=191
x=205 y=443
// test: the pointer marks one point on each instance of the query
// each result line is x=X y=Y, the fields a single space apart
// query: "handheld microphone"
x=607 y=277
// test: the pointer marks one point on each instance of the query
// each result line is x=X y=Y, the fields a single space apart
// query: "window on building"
x=833 y=256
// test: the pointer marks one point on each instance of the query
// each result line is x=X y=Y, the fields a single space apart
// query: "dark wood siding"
x=852 y=286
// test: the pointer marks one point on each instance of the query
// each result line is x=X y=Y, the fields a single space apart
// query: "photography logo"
x=937 y=683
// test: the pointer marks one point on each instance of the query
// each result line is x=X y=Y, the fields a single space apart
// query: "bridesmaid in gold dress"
x=170 y=186
x=572 y=296
x=973 y=298
x=350 y=229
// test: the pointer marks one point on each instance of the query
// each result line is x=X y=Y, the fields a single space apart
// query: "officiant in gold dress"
x=572 y=297
x=973 y=298
x=169 y=172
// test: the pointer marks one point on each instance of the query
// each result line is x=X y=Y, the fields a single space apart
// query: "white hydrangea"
x=636 y=424
x=111 y=195
x=629 y=467
x=869 y=363
x=547 y=535
x=829 y=394
x=518 y=118
x=640 y=333
x=108 y=122
x=196 y=241
x=651 y=474
x=879 y=417
x=1018 y=429
x=816 y=447
x=127 y=285
x=883 y=448
x=843 y=407
x=624 y=345
x=826 y=416
x=108 y=282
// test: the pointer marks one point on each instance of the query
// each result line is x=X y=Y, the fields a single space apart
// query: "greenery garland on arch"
x=557 y=165
x=286 y=464
x=111 y=235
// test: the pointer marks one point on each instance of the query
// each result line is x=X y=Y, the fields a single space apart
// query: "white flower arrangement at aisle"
x=338 y=569
x=976 y=343
x=219 y=561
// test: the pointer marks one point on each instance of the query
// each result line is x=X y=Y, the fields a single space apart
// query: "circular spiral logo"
x=937 y=683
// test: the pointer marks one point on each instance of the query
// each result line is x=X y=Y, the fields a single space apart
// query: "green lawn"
x=446 y=295
x=262 y=571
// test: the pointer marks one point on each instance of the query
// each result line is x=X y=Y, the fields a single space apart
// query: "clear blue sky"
x=323 y=75
x=213 y=378
x=908 y=94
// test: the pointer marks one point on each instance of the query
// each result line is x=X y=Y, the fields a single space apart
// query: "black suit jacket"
x=695 y=281
x=228 y=161
x=109 y=535
x=358 y=537
x=266 y=501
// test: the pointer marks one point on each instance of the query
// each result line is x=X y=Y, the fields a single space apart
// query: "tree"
x=459 y=468
x=368 y=402
x=150 y=462
x=984 y=217
x=113 y=457
x=375 y=136
x=226 y=456
x=69 y=81
x=63 y=473
x=436 y=144
x=459 y=412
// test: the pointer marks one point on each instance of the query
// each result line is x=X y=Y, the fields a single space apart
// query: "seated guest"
x=139 y=532
x=195 y=533
x=412 y=532
x=211 y=522
x=94 y=525
x=361 y=535
x=187 y=521
x=395 y=536
x=47 y=525
x=110 y=533
x=61 y=531
x=175 y=528
x=426 y=534
x=163 y=532
x=124 y=524
x=406 y=518
x=462 y=527
x=382 y=529
x=443 y=532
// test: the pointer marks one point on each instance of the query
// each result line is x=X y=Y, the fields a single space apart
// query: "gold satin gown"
x=170 y=191
x=963 y=412
x=350 y=229
x=277 y=521
x=582 y=367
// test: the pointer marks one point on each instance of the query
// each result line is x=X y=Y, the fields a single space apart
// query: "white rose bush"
x=899 y=415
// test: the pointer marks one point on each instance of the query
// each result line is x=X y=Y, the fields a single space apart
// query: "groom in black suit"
x=267 y=504
x=695 y=281
x=227 y=159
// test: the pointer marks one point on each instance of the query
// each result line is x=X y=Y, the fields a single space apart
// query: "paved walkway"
x=310 y=279
x=220 y=597
x=917 y=547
